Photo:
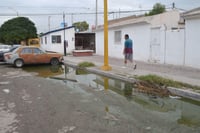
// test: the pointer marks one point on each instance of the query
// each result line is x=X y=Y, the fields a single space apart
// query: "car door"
x=27 y=55
x=40 y=56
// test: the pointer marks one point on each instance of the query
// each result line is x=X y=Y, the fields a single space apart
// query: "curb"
x=108 y=74
x=184 y=93
x=177 y=91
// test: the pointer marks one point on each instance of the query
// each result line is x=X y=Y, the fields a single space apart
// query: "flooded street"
x=62 y=99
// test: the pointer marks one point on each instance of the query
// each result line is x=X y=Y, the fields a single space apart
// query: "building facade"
x=54 y=40
x=164 y=38
x=192 y=32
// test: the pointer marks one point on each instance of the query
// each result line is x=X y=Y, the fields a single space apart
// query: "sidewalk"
x=177 y=73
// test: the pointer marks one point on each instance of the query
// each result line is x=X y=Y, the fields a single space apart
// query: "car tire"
x=19 y=63
x=54 y=61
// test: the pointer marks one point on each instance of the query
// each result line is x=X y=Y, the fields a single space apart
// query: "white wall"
x=59 y=47
x=139 y=33
x=174 y=47
x=177 y=47
x=99 y=38
x=192 y=43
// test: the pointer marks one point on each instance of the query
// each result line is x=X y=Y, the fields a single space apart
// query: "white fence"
x=176 y=50
x=174 y=47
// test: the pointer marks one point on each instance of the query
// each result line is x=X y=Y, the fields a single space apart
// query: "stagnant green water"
x=173 y=111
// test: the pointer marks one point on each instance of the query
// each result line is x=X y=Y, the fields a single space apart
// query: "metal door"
x=155 y=45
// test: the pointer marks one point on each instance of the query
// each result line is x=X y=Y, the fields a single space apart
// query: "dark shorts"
x=129 y=56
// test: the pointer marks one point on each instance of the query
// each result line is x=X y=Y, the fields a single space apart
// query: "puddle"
x=45 y=70
x=179 y=110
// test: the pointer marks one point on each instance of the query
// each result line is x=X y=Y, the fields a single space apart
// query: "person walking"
x=128 y=52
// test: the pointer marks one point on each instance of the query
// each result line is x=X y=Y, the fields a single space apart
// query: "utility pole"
x=173 y=5
x=106 y=67
x=72 y=18
x=49 y=22
x=64 y=41
x=14 y=11
x=96 y=22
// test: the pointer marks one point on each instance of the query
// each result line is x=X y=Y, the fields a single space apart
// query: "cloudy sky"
x=48 y=14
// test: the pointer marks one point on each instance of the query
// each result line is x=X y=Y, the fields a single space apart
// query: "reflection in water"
x=182 y=111
x=45 y=70
x=106 y=83
x=81 y=72
x=173 y=108
x=128 y=90
x=109 y=116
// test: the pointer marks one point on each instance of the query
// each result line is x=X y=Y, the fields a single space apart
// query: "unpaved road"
x=31 y=104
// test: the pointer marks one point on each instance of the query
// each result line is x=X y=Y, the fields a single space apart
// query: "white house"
x=54 y=40
x=152 y=37
x=192 y=32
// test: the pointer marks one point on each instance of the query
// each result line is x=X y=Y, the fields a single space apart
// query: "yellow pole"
x=106 y=67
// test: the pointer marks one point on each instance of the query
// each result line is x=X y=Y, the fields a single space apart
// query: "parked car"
x=10 y=50
x=32 y=55
x=4 y=48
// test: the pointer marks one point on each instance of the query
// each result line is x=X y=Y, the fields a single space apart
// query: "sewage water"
x=177 y=114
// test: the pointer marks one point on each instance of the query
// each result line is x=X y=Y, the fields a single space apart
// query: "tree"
x=157 y=9
x=81 y=26
x=17 y=29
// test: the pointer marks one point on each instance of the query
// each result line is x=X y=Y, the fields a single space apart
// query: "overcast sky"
x=47 y=14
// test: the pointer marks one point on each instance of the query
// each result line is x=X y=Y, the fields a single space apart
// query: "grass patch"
x=154 y=79
x=83 y=65
x=86 y=64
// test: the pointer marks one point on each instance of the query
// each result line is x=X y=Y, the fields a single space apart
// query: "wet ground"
x=61 y=99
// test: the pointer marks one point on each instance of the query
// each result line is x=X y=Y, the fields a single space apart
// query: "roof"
x=124 y=21
x=49 y=32
x=169 y=18
x=194 y=13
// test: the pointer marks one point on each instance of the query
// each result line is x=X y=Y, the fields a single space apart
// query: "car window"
x=37 y=51
x=13 y=48
x=26 y=51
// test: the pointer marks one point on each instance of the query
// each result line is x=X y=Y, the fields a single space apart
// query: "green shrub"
x=86 y=64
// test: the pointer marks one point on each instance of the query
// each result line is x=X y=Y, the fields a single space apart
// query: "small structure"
x=54 y=40
x=84 y=44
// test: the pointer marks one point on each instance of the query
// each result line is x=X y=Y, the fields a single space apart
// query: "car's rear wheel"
x=19 y=63
x=54 y=61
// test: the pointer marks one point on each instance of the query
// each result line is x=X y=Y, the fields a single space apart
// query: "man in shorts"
x=128 y=51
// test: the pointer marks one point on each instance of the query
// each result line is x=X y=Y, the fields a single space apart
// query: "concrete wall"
x=139 y=33
x=192 y=57
x=174 y=47
x=59 y=47
x=177 y=47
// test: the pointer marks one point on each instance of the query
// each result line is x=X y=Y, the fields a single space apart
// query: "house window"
x=45 y=39
x=41 y=40
x=118 y=35
x=56 y=39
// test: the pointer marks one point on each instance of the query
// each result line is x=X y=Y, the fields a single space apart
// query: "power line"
x=75 y=13
x=47 y=7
